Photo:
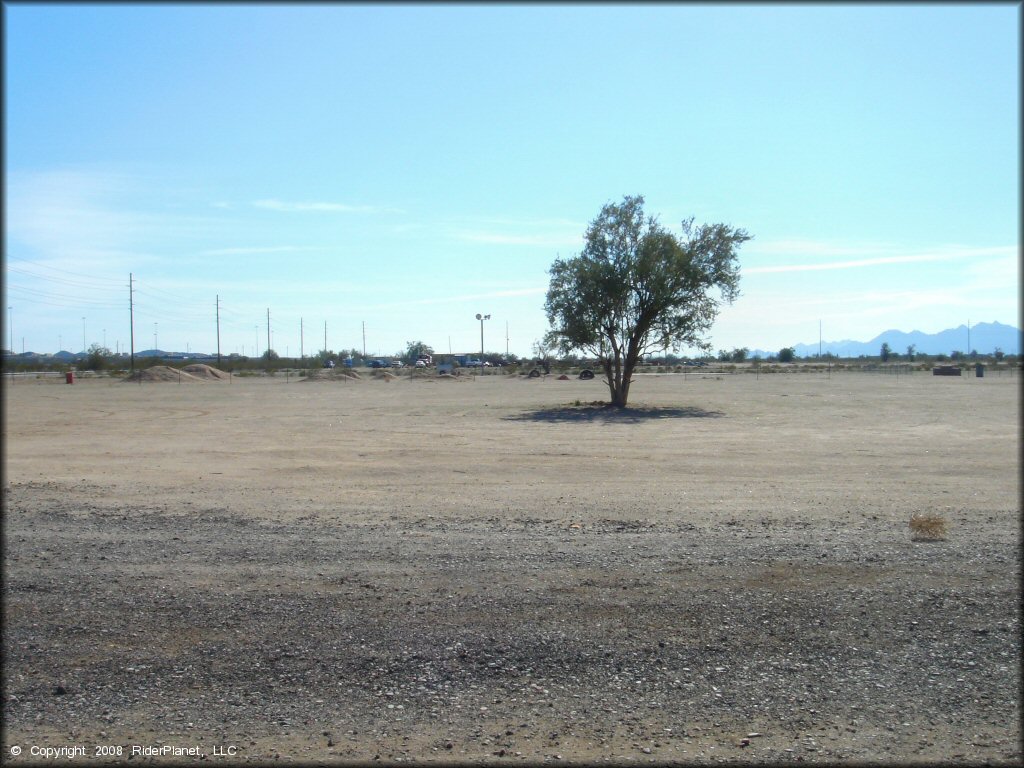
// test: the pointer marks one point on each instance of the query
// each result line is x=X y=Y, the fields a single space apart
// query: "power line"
x=40 y=265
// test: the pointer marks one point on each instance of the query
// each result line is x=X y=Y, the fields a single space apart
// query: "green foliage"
x=737 y=355
x=97 y=358
x=787 y=355
x=413 y=349
x=886 y=352
x=542 y=348
x=636 y=287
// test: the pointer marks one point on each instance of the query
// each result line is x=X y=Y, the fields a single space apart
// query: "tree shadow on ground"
x=606 y=414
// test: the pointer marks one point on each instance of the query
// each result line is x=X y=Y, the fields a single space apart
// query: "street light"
x=10 y=327
x=481 y=318
x=83 y=335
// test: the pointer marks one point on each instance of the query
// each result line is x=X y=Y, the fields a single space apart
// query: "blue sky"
x=408 y=167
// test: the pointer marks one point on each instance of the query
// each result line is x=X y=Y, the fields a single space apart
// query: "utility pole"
x=364 y=338
x=218 y=330
x=268 y=329
x=506 y=339
x=325 y=337
x=131 y=315
x=302 y=353
x=481 y=318
x=968 y=337
x=819 y=338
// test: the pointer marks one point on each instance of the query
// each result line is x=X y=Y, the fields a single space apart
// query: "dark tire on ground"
x=534 y=374
x=586 y=374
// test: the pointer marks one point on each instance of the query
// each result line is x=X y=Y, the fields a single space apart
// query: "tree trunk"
x=623 y=389
x=620 y=388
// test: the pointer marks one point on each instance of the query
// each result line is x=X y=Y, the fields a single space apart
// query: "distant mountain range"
x=985 y=338
x=72 y=356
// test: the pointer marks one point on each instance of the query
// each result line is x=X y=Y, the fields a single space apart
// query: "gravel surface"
x=544 y=633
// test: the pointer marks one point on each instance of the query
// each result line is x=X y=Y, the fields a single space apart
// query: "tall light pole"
x=155 y=345
x=83 y=335
x=481 y=318
x=10 y=326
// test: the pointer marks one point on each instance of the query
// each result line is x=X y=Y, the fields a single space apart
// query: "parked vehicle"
x=397 y=364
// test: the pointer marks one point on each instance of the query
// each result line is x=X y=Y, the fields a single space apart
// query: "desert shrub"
x=927 y=527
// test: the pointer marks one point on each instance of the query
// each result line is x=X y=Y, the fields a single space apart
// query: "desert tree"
x=886 y=352
x=97 y=357
x=637 y=287
x=786 y=354
x=413 y=349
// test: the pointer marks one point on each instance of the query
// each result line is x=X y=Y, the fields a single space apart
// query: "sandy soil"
x=493 y=569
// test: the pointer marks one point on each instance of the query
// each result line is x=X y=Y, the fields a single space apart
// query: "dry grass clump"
x=927 y=527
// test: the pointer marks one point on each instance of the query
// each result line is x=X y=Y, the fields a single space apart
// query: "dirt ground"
x=495 y=569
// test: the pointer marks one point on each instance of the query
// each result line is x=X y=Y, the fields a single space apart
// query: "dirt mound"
x=201 y=371
x=159 y=373
x=327 y=374
x=384 y=375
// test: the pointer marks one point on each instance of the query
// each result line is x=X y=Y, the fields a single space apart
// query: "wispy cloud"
x=249 y=250
x=529 y=232
x=317 y=206
x=504 y=294
x=818 y=248
x=946 y=254
x=77 y=219
x=534 y=240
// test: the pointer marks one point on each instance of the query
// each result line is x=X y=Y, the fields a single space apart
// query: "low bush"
x=927 y=527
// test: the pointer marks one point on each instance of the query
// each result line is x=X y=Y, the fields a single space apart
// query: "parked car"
x=420 y=364
x=377 y=364
x=397 y=364
x=328 y=364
